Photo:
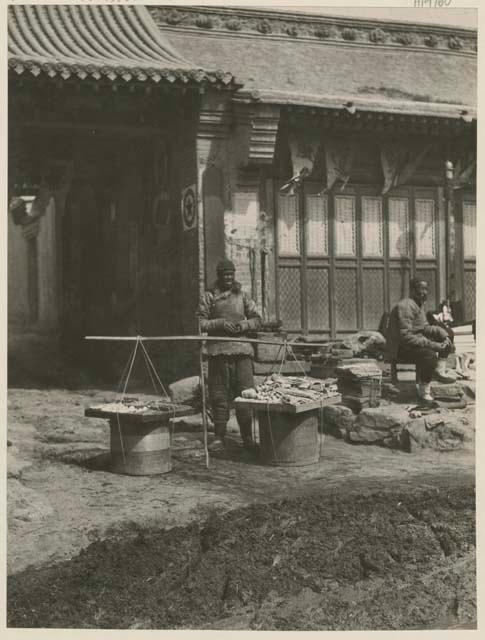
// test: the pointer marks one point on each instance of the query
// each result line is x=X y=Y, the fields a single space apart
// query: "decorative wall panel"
x=345 y=226
x=345 y=299
x=372 y=228
x=317 y=225
x=398 y=227
x=288 y=226
x=425 y=228
x=317 y=299
x=372 y=297
x=470 y=294
x=469 y=230
x=289 y=298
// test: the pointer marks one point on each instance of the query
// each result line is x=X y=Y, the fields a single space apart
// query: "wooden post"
x=453 y=284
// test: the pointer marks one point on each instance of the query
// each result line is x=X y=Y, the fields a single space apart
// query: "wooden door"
x=345 y=257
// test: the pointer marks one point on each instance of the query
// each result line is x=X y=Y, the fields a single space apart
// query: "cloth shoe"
x=216 y=445
x=424 y=392
x=442 y=374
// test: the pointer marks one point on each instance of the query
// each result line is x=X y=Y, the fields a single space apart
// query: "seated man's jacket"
x=408 y=328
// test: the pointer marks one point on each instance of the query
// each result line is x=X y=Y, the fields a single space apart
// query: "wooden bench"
x=394 y=368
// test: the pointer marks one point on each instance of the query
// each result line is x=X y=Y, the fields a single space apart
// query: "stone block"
x=185 y=391
x=186 y=424
x=451 y=391
x=337 y=420
x=356 y=403
x=434 y=432
x=469 y=389
x=383 y=418
x=381 y=425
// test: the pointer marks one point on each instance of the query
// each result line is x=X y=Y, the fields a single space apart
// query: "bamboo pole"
x=204 y=339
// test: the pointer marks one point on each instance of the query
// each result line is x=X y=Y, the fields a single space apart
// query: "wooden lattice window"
x=317 y=225
x=469 y=230
x=425 y=228
x=398 y=227
x=345 y=244
x=372 y=227
x=288 y=226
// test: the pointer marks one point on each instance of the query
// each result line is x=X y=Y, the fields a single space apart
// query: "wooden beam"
x=133 y=130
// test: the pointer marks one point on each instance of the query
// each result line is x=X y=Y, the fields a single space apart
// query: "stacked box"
x=360 y=384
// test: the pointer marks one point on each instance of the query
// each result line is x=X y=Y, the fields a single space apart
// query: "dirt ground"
x=63 y=501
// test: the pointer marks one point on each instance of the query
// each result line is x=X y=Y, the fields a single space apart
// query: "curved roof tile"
x=98 y=41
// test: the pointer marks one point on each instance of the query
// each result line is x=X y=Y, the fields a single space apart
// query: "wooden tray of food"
x=278 y=407
x=150 y=415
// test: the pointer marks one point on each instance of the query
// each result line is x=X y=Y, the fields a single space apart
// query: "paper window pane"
x=288 y=226
x=398 y=227
x=344 y=226
x=425 y=229
x=372 y=228
x=469 y=229
x=317 y=225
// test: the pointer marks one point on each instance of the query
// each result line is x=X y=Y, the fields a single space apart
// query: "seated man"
x=410 y=338
x=226 y=310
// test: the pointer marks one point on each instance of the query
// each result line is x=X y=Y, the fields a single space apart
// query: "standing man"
x=411 y=338
x=226 y=310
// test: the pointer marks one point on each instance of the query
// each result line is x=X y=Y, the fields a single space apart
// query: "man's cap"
x=225 y=265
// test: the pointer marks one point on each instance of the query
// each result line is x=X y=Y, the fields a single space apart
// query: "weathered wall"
x=232 y=206
x=121 y=267
x=18 y=301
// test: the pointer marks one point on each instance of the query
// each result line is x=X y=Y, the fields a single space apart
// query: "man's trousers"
x=228 y=377
x=425 y=358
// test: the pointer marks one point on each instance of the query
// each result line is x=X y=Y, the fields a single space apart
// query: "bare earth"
x=62 y=496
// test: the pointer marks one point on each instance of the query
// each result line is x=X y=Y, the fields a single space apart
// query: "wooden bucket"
x=139 y=448
x=289 y=439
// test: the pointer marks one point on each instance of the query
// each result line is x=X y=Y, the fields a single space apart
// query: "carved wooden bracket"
x=264 y=130
x=255 y=132
x=235 y=135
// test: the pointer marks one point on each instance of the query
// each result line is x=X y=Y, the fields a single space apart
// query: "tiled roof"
x=98 y=41
x=321 y=61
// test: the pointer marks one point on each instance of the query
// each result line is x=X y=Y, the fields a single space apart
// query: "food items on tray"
x=134 y=405
x=293 y=390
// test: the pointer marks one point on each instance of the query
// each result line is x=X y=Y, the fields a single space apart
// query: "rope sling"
x=284 y=345
x=154 y=378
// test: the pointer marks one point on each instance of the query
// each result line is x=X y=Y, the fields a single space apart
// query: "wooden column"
x=453 y=278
